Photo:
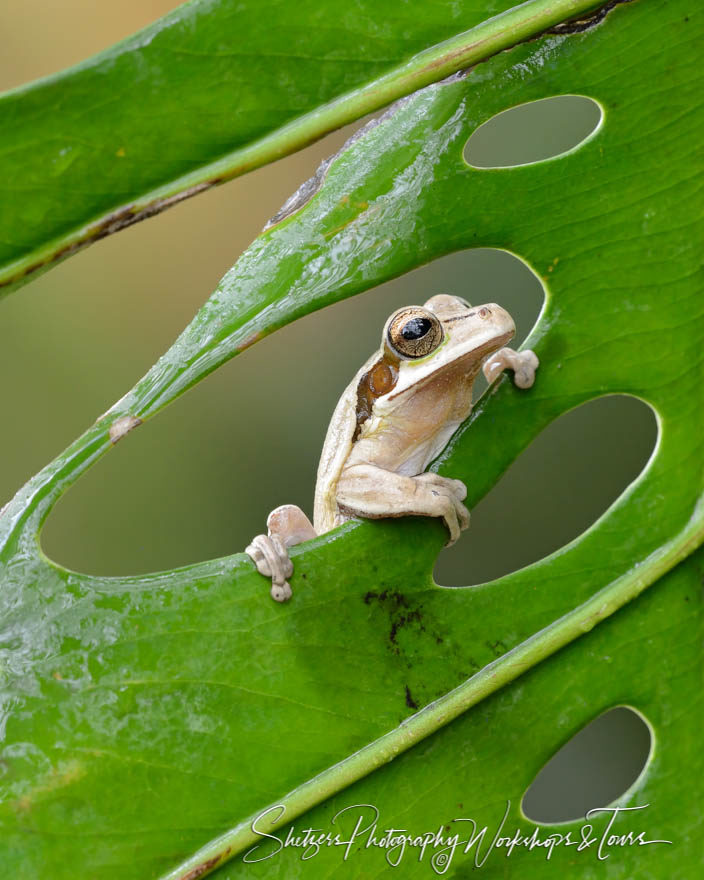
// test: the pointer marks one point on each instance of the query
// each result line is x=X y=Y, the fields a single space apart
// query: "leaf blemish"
x=400 y=612
x=201 y=869
x=497 y=648
x=410 y=702
x=122 y=426
x=250 y=340
x=579 y=25
x=205 y=867
x=307 y=190
x=403 y=620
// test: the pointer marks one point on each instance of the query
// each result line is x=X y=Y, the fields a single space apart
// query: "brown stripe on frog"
x=377 y=381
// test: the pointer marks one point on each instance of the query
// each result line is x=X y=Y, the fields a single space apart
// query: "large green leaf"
x=145 y=716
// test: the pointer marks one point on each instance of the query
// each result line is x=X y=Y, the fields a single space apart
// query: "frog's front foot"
x=272 y=560
x=287 y=525
x=523 y=363
x=375 y=493
x=448 y=495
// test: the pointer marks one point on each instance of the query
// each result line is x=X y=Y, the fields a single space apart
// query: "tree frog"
x=392 y=420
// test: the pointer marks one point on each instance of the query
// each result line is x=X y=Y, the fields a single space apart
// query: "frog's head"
x=444 y=334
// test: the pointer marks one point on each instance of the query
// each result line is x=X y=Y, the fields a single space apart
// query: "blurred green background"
x=199 y=480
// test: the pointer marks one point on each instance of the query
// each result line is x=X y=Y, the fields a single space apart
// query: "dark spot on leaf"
x=394 y=629
x=401 y=614
x=201 y=869
x=396 y=599
x=402 y=620
x=64 y=251
x=455 y=77
x=578 y=25
x=119 y=219
x=410 y=702
x=302 y=195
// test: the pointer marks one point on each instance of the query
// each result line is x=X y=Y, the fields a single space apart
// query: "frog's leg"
x=287 y=525
x=523 y=363
x=370 y=491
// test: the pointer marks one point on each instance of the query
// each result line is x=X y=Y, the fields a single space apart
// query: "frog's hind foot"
x=287 y=525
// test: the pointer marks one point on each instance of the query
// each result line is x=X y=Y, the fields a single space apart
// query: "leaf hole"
x=595 y=768
x=533 y=132
x=198 y=481
x=555 y=490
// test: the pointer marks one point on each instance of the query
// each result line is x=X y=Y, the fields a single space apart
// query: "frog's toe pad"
x=281 y=592
x=526 y=363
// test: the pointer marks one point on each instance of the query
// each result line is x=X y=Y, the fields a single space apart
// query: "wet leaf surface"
x=143 y=717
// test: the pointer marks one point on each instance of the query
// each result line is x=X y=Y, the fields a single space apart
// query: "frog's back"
x=336 y=449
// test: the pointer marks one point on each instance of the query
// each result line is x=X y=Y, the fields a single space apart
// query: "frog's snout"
x=499 y=317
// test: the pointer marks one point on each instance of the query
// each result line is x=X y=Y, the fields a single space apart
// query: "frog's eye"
x=414 y=332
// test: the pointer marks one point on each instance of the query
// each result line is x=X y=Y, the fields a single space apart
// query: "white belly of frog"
x=393 y=419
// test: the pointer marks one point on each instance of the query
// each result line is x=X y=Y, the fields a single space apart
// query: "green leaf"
x=146 y=716
x=212 y=91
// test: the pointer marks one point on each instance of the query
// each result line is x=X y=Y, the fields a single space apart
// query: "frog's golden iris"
x=414 y=332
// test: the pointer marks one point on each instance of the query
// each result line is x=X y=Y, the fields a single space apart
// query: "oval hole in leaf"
x=558 y=487
x=595 y=768
x=533 y=132
x=198 y=481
